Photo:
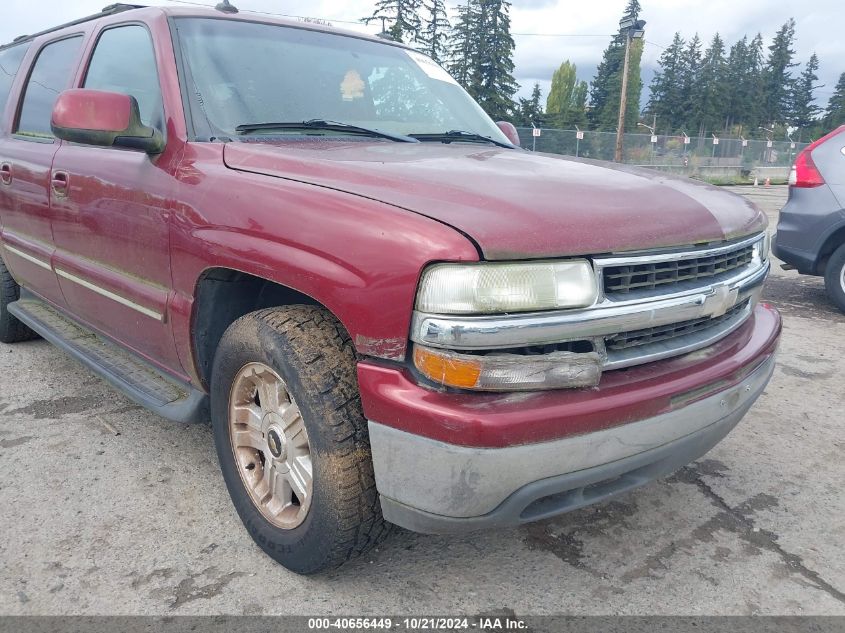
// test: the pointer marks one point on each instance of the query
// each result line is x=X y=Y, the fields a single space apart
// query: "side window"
x=10 y=62
x=124 y=62
x=50 y=76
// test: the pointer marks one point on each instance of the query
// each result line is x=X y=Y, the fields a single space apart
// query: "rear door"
x=111 y=221
x=26 y=157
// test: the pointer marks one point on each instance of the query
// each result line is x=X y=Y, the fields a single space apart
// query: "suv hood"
x=514 y=204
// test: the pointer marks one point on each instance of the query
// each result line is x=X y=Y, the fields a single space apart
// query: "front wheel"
x=292 y=439
x=834 y=277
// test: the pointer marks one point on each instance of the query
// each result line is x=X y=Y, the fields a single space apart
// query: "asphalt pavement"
x=109 y=509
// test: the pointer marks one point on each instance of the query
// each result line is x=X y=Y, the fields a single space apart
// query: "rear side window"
x=124 y=62
x=10 y=62
x=50 y=76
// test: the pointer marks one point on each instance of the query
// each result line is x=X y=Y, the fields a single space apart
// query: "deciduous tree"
x=566 y=103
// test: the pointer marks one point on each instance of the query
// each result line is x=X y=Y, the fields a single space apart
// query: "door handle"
x=59 y=183
x=6 y=174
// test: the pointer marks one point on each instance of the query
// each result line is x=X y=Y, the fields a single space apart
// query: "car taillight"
x=804 y=172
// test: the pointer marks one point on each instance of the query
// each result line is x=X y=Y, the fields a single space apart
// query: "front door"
x=110 y=221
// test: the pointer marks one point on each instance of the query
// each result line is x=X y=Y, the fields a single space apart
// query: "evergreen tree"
x=835 y=115
x=738 y=92
x=690 y=67
x=530 y=111
x=435 y=29
x=567 y=100
x=666 y=102
x=777 y=76
x=804 y=109
x=463 y=49
x=738 y=100
x=578 y=109
x=711 y=89
x=607 y=85
x=403 y=16
x=492 y=83
x=754 y=85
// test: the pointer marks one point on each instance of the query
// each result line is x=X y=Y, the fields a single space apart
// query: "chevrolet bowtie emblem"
x=722 y=300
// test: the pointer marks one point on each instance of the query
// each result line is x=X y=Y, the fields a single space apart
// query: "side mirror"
x=106 y=119
x=509 y=130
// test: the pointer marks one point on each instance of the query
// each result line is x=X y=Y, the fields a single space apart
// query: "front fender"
x=359 y=258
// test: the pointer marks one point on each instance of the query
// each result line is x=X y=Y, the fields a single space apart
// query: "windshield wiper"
x=322 y=124
x=460 y=135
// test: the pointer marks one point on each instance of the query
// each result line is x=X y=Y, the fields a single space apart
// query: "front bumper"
x=434 y=487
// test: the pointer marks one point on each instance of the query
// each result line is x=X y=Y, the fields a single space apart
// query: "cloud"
x=580 y=29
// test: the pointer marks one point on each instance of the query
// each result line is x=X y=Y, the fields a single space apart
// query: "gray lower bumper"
x=433 y=487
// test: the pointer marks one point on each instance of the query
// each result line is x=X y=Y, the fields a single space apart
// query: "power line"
x=278 y=15
x=358 y=22
x=565 y=34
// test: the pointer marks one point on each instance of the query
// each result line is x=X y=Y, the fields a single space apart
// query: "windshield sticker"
x=352 y=86
x=431 y=68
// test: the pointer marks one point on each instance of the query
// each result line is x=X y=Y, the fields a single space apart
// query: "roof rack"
x=109 y=10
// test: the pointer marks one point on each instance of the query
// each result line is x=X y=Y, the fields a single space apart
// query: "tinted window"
x=50 y=76
x=10 y=62
x=124 y=62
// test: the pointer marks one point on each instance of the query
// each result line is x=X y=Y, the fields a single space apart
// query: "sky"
x=547 y=32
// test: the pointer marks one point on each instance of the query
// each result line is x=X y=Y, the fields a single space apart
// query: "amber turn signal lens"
x=446 y=370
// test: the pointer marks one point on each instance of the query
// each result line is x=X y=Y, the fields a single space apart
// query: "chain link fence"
x=727 y=160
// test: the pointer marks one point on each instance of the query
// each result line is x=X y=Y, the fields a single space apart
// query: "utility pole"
x=623 y=100
x=633 y=29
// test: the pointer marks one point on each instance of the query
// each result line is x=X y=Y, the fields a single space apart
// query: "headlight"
x=490 y=288
x=761 y=248
x=508 y=372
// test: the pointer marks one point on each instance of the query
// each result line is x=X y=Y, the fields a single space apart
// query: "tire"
x=309 y=350
x=834 y=277
x=11 y=330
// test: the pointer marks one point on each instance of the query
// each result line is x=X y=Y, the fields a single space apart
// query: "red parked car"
x=391 y=313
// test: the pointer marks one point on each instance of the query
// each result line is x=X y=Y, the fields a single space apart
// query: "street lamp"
x=653 y=138
x=578 y=135
x=633 y=30
x=769 y=143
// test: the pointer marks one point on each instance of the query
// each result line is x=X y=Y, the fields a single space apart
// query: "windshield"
x=242 y=73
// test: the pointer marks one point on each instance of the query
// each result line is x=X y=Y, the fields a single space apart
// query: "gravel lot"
x=108 y=509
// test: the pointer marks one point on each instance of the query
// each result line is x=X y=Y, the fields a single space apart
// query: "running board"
x=136 y=378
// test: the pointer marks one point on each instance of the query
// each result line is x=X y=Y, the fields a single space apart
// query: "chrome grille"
x=636 y=338
x=622 y=279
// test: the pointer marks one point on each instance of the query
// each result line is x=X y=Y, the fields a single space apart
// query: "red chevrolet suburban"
x=391 y=313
